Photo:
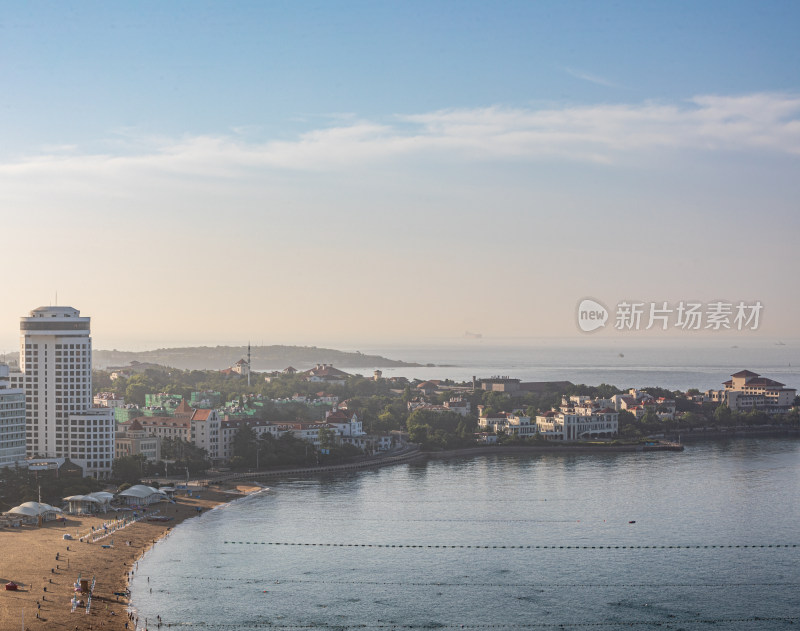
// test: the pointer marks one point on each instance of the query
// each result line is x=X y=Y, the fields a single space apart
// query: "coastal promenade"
x=405 y=454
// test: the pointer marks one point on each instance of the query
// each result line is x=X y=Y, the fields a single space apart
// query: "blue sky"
x=401 y=167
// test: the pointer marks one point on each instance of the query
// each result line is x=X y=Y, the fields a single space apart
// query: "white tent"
x=142 y=495
x=82 y=504
x=33 y=510
x=105 y=498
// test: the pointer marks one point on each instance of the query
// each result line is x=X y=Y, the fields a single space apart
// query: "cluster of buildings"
x=578 y=418
x=205 y=429
x=49 y=417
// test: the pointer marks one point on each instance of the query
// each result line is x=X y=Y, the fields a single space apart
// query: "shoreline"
x=29 y=559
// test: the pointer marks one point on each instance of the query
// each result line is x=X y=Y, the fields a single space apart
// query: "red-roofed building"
x=746 y=391
x=325 y=373
x=345 y=422
x=427 y=387
x=199 y=427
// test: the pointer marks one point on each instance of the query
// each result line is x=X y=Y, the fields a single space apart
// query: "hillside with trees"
x=263 y=358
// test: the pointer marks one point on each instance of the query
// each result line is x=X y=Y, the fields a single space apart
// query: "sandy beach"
x=28 y=557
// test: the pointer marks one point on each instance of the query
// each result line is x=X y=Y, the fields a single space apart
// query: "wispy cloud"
x=601 y=134
x=591 y=78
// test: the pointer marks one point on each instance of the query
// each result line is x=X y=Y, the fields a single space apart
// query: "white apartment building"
x=12 y=421
x=56 y=375
x=575 y=424
x=512 y=423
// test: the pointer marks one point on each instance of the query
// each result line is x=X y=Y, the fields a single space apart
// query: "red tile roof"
x=201 y=415
x=183 y=408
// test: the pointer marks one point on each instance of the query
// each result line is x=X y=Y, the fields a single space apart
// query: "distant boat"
x=779 y=344
x=734 y=346
x=474 y=336
x=621 y=355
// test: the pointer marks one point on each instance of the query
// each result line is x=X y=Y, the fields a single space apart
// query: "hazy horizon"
x=314 y=172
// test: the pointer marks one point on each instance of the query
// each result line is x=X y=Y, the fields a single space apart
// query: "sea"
x=679 y=540
x=675 y=364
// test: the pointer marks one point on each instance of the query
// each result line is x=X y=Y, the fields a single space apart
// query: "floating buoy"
x=632 y=522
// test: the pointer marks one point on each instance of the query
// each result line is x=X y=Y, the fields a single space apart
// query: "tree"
x=723 y=415
x=245 y=445
x=327 y=438
x=128 y=468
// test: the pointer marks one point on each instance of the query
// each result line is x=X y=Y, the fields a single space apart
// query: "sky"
x=345 y=173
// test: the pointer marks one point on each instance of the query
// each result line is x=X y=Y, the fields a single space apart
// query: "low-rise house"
x=512 y=423
x=327 y=398
x=346 y=423
x=427 y=387
x=458 y=405
x=326 y=373
x=495 y=422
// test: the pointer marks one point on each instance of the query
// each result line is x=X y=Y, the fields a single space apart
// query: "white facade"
x=346 y=424
x=512 y=423
x=12 y=421
x=56 y=374
x=108 y=400
x=567 y=424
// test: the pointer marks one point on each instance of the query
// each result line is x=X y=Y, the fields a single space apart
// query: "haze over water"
x=724 y=494
x=625 y=362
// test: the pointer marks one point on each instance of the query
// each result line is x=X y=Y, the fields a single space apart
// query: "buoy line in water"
x=511 y=547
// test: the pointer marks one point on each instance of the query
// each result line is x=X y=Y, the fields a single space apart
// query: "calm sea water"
x=627 y=362
x=738 y=493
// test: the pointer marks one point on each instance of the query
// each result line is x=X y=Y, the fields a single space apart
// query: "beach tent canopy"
x=82 y=498
x=82 y=504
x=141 y=494
x=35 y=510
x=103 y=496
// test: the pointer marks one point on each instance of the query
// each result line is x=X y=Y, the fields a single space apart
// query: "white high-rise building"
x=56 y=373
x=12 y=421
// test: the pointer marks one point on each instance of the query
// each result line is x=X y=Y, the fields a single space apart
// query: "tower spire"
x=248 y=363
